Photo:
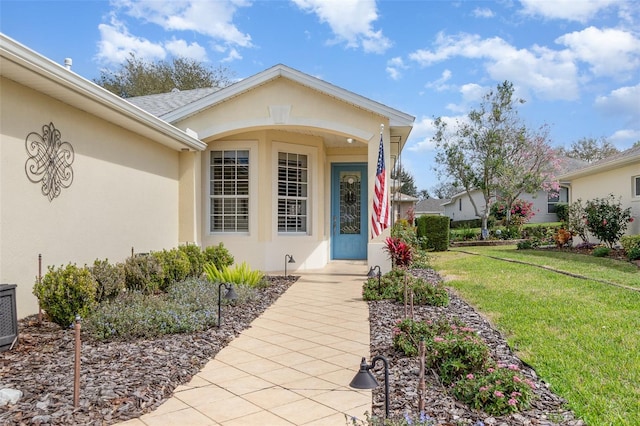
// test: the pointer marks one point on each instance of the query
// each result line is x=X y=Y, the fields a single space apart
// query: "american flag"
x=380 y=215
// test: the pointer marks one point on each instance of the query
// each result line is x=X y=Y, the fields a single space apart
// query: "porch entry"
x=349 y=229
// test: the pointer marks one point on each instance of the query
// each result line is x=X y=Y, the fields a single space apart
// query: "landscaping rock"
x=9 y=396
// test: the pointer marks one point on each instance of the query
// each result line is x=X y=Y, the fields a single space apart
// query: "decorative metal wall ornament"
x=49 y=161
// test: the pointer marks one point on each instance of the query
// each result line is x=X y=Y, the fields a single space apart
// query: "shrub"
x=495 y=390
x=143 y=273
x=576 y=220
x=520 y=212
x=175 y=266
x=424 y=293
x=606 y=219
x=196 y=259
x=436 y=231
x=562 y=211
x=403 y=230
x=634 y=253
x=65 y=292
x=386 y=289
x=109 y=279
x=201 y=294
x=601 y=251
x=525 y=245
x=241 y=274
x=563 y=238
x=218 y=255
x=629 y=242
x=401 y=253
x=421 y=259
x=453 y=349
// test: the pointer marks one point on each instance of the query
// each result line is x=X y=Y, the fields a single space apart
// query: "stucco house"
x=278 y=163
x=459 y=207
x=402 y=205
x=618 y=174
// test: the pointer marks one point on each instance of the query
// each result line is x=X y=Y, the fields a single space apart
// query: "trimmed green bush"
x=425 y=293
x=218 y=255
x=196 y=259
x=601 y=251
x=65 y=292
x=436 y=229
x=109 y=278
x=143 y=273
x=562 y=211
x=629 y=242
x=175 y=266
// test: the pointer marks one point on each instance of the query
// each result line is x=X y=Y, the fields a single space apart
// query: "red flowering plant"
x=399 y=251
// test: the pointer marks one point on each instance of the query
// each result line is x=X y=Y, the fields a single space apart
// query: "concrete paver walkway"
x=291 y=367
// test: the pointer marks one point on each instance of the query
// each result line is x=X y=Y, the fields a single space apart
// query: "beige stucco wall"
x=124 y=193
x=284 y=115
x=617 y=181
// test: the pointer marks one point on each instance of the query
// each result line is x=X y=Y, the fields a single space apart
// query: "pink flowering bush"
x=521 y=211
x=453 y=350
x=497 y=390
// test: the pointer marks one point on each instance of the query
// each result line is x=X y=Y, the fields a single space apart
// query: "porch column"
x=188 y=200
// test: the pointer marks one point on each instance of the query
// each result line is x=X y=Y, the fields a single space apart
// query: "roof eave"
x=397 y=119
x=598 y=168
x=33 y=70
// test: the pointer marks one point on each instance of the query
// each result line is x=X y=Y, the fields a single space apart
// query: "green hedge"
x=436 y=229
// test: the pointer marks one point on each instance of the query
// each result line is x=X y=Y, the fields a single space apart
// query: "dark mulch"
x=119 y=380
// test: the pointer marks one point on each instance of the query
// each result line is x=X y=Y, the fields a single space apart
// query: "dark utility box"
x=8 y=316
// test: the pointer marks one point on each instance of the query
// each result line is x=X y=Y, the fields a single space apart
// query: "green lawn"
x=581 y=336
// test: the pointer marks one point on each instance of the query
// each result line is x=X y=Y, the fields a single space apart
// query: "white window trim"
x=635 y=187
x=252 y=147
x=312 y=183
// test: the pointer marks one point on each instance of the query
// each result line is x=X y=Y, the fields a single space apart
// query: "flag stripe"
x=380 y=215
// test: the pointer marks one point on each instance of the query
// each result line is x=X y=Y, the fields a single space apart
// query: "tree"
x=137 y=77
x=590 y=149
x=406 y=182
x=423 y=194
x=446 y=190
x=494 y=152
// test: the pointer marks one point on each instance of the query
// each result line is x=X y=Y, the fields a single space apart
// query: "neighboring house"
x=278 y=163
x=401 y=205
x=618 y=174
x=431 y=206
x=544 y=203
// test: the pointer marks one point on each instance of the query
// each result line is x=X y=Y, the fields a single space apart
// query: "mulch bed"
x=123 y=380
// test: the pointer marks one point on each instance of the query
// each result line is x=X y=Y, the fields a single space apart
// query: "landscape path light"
x=287 y=259
x=230 y=294
x=372 y=274
x=365 y=380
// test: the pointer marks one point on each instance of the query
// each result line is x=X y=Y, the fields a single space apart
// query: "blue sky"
x=575 y=62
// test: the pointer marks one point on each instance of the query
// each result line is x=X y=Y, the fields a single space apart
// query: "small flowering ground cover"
x=581 y=336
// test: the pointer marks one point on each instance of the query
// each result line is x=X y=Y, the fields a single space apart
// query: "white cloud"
x=350 y=21
x=623 y=102
x=439 y=84
x=423 y=131
x=550 y=74
x=233 y=55
x=608 y=51
x=572 y=10
x=483 y=12
x=116 y=44
x=183 y=49
x=394 y=67
x=210 y=18
x=624 y=138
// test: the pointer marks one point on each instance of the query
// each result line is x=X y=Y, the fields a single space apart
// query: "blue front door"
x=349 y=211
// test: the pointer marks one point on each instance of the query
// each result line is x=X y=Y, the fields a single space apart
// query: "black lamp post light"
x=287 y=259
x=372 y=274
x=230 y=294
x=365 y=380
